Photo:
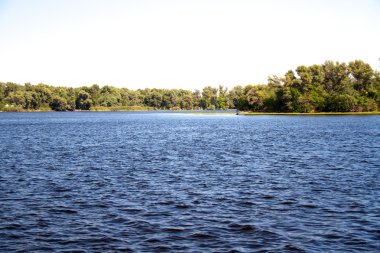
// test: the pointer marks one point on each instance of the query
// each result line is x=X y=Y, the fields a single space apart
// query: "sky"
x=179 y=44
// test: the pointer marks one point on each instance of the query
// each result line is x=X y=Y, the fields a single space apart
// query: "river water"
x=175 y=182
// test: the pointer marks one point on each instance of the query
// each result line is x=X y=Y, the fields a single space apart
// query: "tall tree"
x=209 y=98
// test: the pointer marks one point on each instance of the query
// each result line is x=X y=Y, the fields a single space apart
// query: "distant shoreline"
x=230 y=111
x=330 y=87
x=308 y=113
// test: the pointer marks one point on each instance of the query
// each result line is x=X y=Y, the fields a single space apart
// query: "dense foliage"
x=330 y=87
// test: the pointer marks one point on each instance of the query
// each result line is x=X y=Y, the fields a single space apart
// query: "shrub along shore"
x=330 y=87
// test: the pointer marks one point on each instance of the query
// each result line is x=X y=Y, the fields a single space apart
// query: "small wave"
x=288 y=202
x=62 y=189
x=292 y=248
x=233 y=251
x=13 y=226
x=161 y=248
x=67 y=211
x=246 y=203
x=311 y=206
x=174 y=230
x=133 y=210
x=242 y=227
x=70 y=250
x=153 y=240
x=333 y=236
x=119 y=220
x=201 y=236
x=166 y=203
x=182 y=206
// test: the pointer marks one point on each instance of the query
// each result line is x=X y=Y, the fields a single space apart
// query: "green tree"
x=153 y=98
x=222 y=101
x=2 y=91
x=170 y=99
x=254 y=98
x=197 y=99
x=341 y=103
x=237 y=98
x=285 y=99
x=31 y=100
x=16 y=98
x=109 y=96
x=83 y=100
x=43 y=94
x=336 y=77
x=209 y=98
x=187 y=102
x=362 y=74
x=94 y=92
x=304 y=83
x=58 y=104
x=11 y=87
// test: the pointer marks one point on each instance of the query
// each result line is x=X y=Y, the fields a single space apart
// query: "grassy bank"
x=18 y=109
x=120 y=108
x=310 y=113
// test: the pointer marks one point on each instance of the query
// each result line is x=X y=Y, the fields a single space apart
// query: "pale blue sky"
x=179 y=44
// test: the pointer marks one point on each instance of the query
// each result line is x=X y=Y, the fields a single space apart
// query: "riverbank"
x=121 y=108
x=229 y=111
x=93 y=109
x=309 y=113
x=18 y=109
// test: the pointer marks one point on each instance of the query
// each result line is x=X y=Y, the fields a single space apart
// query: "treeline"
x=330 y=87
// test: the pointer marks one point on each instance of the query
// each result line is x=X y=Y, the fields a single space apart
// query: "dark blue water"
x=159 y=182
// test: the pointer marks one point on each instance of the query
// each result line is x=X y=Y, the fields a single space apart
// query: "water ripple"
x=151 y=182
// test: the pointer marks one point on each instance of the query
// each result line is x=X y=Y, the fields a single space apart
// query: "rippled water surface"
x=165 y=182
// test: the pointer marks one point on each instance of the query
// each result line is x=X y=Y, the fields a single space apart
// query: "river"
x=180 y=182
